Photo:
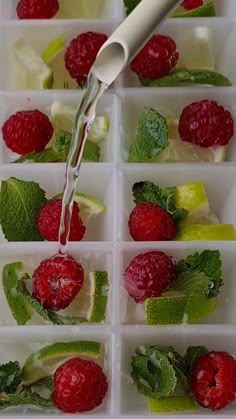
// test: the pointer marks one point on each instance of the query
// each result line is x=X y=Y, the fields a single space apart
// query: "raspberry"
x=57 y=281
x=27 y=131
x=80 y=386
x=156 y=59
x=48 y=221
x=206 y=124
x=81 y=54
x=37 y=9
x=148 y=275
x=192 y=4
x=148 y=222
x=213 y=381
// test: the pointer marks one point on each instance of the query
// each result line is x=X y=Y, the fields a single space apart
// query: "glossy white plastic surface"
x=107 y=244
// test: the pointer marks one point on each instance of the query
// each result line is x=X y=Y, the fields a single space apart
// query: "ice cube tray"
x=107 y=244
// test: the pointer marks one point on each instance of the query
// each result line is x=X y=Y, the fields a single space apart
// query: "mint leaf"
x=46 y=156
x=47 y=315
x=91 y=152
x=20 y=202
x=192 y=354
x=25 y=398
x=152 y=373
x=130 y=5
x=189 y=78
x=10 y=377
x=151 y=137
x=17 y=305
x=62 y=143
x=163 y=198
x=192 y=283
x=209 y=263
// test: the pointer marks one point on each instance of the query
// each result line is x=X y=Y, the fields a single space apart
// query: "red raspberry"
x=213 y=382
x=48 y=221
x=81 y=54
x=156 y=59
x=80 y=386
x=57 y=281
x=37 y=9
x=148 y=275
x=206 y=124
x=27 y=131
x=192 y=4
x=147 y=222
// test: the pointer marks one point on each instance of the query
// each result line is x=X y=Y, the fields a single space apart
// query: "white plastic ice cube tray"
x=107 y=244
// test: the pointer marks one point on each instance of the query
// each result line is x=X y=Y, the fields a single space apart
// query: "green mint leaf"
x=62 y=142
x=64 y=320
x=10 y=279
x=47 y=315
x=192 y=283
x=46 y=156
x=151 y=137
x=91 y=152
x=24 y=398
x=10 y=377
x=152 y=373
x=163 y=198
x=130 y=5
x=183 y=78
x=20 y=202
x=208 y=262
x=192 y=354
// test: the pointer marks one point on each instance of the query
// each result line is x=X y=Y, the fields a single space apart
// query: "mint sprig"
x=206 y=263
x=164 y=198
x=151 y=137
x=10 y=377
x=20 y=202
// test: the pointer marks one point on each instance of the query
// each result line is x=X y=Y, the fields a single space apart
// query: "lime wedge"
x=89 y=206
x=200 y=307
x=63 y=117
x=207 y=10
x=172 y=404
x=197 y=53
x=193 y=198
x=43 y=362
x=178 y=309
x=31 y=71
x=98 y=296
x=10 y=277
x=165 y=310
x=221 y=232
x=53 y=49
x=82 y=9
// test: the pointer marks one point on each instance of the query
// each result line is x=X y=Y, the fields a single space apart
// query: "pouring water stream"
x=115 y=54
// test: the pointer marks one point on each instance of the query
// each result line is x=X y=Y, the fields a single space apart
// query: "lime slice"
x=43 y=362
x=221 y=232
x=53 y=49
x=197 y=53
x=165 y=310
x=89 y=206
x=178 y=309
x=82 y=9
x=207 y=10
x=172 y=404
x=63 y=117
x=10 y=277
x=193 y=198
x=98 y=296
x=31 y=71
